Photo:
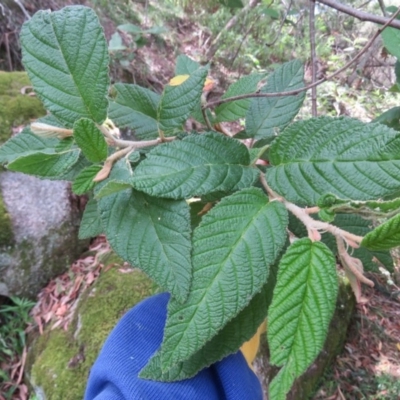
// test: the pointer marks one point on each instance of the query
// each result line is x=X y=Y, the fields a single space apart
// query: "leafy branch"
x=190 y=212
x=314 y=84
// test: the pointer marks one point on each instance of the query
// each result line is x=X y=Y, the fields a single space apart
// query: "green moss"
x=6 y=233
x=16 y=108
x=57 y=366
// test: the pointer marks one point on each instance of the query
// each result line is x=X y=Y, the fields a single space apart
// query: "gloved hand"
x=137 y=336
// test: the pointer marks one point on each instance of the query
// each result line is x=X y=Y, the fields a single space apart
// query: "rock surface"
x=59 y=361
x=39 y=219
x=39 y=224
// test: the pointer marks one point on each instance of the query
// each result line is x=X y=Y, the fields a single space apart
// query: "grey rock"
x=44 y=222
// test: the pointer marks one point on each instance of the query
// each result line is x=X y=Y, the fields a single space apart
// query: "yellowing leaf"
x=178 y=80
x=250 y=348
x=208 y=85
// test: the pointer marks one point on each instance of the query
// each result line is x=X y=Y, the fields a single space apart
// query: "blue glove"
x=137 y=336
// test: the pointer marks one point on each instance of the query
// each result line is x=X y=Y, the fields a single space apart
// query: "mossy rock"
x=59 y=361
x=16 y=108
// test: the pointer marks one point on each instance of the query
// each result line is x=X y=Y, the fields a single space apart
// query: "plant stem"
x=351 y=263
x=310 y=223
x=132 y=144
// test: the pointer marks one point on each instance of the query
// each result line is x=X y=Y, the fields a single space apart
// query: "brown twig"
x=313 y=59
x=311 y=224
x=231 y=23
x=278 y=33
x=113 y=141
x=7 y=44
x=361 y=15
x=317 y=83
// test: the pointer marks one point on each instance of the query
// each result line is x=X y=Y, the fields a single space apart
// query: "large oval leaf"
x=233 y=247
x=65 y=55
x=268 y=115
x=152 y=234
x=343 y=156
x=227 y=341
x=196 y=165
x=301 y=309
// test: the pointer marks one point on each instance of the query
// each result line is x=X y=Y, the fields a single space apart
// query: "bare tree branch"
x=278 y=33
x=383 y=8
x=231 y=23
x=313 y=59
x=317 y=83
x=361 y=15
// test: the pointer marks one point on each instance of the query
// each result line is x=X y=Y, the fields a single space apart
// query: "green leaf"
x=91 y=141
x=134 y=157
x=185 y=65
x=91 y=221
x=239 y=330
x=120 y=179
x=390 y=118
x=274 y=14
x=234 y=110
x=45 y=165
x=136 y=107
x=84 y=181
x=385 y=236
x=391 y=40
x=177 y=102
x=116 y=43
x=302 y=306
x=269 y=115
x=72 y=173
x=151 y=234
x=231 y=3
x=196 y=165
x=65 y=144
x=65 y=55
x=50 y=119
x=343 y=156
x=25 y=143
x=233 y=247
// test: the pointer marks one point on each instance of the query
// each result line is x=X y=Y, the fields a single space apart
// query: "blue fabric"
x=137 y=336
